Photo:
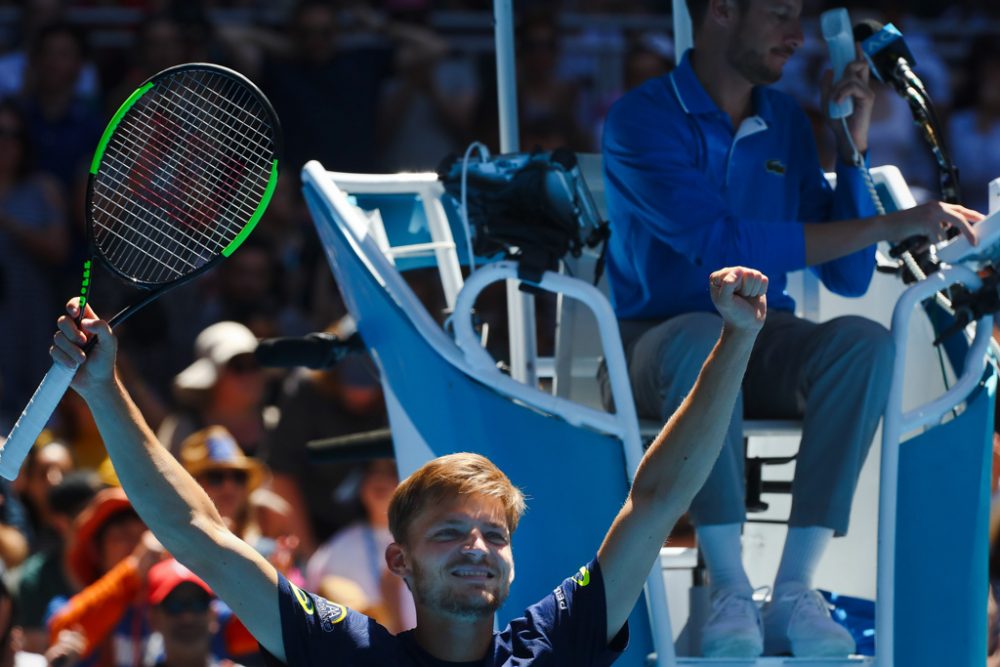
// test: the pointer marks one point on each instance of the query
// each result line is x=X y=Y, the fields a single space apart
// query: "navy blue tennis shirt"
x=688 y=194
x=567 y=627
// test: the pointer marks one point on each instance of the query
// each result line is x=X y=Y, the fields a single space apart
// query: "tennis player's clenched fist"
x=739 y=295
x=74 y=346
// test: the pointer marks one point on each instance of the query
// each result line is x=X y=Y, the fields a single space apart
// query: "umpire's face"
x=763 y=37
x=458 y=560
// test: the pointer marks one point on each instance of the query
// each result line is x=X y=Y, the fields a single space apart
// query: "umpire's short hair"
x=699 y=8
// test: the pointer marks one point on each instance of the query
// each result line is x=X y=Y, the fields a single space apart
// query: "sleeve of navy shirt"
x=567 y=627
x=315 y=631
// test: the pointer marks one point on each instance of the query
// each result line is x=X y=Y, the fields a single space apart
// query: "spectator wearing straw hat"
x=224 y=385
x=232 y=481
x=214 y=458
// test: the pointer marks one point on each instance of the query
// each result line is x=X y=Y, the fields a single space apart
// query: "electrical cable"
x=484 y=155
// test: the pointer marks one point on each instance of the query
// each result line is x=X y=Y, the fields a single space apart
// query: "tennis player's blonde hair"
x=447 y=477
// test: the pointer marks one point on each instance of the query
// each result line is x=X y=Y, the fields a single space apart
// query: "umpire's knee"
x=867 y=343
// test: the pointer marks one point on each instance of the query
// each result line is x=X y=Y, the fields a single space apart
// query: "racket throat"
x=85 y=282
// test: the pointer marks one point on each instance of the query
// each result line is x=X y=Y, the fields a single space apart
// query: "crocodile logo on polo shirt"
x=582 y=578
x=776 y=167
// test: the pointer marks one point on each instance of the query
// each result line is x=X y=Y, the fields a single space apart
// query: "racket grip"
x=33 y=419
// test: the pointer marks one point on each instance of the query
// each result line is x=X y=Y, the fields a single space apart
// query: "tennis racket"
x=182 y=174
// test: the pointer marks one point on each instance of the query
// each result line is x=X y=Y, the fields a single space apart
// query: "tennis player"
x=451 y=520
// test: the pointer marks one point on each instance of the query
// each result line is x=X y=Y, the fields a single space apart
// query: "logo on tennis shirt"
x=304 y=600
x=582 y=578
x=330 y=614
x=775 y=167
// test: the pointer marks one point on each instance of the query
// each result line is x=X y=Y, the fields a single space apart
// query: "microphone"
x=315 y=350
x=888 y=56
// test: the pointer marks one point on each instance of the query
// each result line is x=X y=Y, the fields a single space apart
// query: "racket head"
x=183 y=172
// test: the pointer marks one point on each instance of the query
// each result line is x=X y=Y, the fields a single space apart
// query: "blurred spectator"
x=12 y=650
x=75 y=428
x=894 y=139
x=34 y=14
x=119 y=613
x=650 y=55
x=357 y=554
x=426 y=109
x=246 y=288
x=974 y=127
x=34 y=240
x=43 y=469
x=110 y=553
x=14 y=528
x=541 y=95
x=993 y=617
x=159 y=44
x=180 y=610
x=314 y=405
x=327 y=92
x=215 y=460
x=44 y=576
x=298 y=255
x=104 y=534
x=224 y=386
x=64 y=127
x=232 y=480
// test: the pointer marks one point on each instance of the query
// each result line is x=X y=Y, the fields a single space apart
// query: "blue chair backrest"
x=406 y=224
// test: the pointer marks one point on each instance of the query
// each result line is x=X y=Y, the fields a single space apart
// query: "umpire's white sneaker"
x=734 y=628
x=797 y=621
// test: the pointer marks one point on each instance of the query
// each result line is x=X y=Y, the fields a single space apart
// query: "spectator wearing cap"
x=181 y=611
x=223 y=386
x=109 y=555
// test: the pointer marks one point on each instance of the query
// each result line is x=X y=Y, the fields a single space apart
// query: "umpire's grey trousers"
x=833 y=375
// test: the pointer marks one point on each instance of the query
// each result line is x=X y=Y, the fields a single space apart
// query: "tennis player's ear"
x=396 y=560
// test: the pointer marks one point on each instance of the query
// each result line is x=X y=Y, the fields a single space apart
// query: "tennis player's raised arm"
x=167 y=498
x=678 y=462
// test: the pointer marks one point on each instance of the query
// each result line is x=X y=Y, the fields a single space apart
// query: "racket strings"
x=181 y=164
x=182 y=176
x=206 y=251
x=196 y=201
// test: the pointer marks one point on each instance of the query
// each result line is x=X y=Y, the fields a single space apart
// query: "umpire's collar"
x=695 y=100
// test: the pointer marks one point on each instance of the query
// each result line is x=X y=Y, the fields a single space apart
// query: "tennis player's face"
x=459 y=561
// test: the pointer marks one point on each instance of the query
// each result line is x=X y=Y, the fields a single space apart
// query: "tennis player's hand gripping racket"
x=182 y=174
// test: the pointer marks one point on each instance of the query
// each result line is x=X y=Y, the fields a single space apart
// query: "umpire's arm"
x=167 y=498
x=678 y=462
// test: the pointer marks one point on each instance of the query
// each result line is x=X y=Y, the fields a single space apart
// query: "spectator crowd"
x=382 y=86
